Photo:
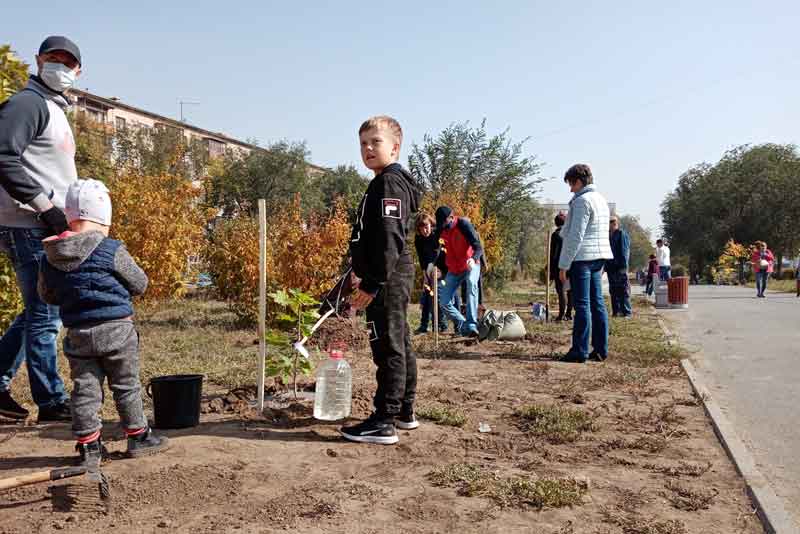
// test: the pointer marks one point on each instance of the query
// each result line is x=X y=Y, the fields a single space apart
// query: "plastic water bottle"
x=334 y=388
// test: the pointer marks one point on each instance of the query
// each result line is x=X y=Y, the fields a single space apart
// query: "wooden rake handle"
x=41 y=476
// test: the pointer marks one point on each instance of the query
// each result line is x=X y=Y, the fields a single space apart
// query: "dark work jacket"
x=621 y=248
x=385 y=216
x=556 y=242
x=427 y=249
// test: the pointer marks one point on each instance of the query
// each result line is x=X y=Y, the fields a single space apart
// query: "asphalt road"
x=749 y=357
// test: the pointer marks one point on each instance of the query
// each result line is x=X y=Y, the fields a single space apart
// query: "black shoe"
x=597 y=357
x=573 y=358
x=92 y=453
x=373 y=430
x=9 y=407
x=406 y=422
x=419 y=331
x=568 y=317
x=58 y=413
x=145 y=444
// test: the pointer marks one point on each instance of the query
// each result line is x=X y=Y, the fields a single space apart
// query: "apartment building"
x=113 y=112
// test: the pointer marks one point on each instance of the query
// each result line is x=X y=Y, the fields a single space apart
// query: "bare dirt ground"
x=617 y=447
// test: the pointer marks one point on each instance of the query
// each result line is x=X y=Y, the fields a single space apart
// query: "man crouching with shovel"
x=382 y=261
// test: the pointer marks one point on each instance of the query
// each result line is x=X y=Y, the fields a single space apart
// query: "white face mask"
x=58 y=77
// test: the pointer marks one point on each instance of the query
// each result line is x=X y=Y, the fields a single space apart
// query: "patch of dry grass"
x=443 y=415
x=472 y=481
x=554 y=423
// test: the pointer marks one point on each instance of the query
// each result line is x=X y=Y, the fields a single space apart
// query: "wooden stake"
x=436 y=308
x=262 y=299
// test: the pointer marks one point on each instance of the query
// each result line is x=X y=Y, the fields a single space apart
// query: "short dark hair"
x=659 y=240
x=560 y=219
x=652 y=256
x=579 y=171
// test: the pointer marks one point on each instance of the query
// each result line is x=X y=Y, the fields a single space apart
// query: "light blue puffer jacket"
x=585 y=232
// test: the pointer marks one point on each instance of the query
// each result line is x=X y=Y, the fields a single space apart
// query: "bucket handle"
x=149 y=390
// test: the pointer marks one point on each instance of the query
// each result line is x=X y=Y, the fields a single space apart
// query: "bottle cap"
x=336 y=354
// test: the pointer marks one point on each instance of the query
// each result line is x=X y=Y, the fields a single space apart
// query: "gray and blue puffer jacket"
x=90 y=276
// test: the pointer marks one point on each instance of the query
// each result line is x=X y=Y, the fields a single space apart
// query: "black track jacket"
x=385 y=216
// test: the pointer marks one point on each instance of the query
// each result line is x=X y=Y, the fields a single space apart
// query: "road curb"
x=769 y=506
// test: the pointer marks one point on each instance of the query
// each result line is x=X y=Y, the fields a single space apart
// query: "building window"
x=120 y=123
x=215 y=148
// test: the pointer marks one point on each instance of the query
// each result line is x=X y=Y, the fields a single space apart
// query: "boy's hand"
x=562 y=275
x=361 y=300
x=470 y=264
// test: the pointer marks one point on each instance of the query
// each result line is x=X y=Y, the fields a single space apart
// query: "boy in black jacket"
x=382 y=261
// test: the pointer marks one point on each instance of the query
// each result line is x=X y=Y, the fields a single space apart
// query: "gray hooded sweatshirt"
x=37 y=154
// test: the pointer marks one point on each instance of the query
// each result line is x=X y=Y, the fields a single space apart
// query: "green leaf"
x=276 y=337
x=281 y=297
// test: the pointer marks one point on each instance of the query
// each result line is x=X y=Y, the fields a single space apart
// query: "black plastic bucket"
x=176 y=400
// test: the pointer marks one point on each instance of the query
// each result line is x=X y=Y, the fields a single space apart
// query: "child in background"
x=652 y=272
x=92 y=278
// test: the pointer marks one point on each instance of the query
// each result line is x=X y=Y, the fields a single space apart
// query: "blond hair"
x=383 y=120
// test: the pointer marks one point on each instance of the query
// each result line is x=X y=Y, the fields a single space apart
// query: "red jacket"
x=461 y=242
x=755 y=259
x=652 y=267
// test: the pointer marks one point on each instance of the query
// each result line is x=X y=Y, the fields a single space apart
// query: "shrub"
x=678 y=270
x=302 y=253
x=161 y=223
x=10 y=297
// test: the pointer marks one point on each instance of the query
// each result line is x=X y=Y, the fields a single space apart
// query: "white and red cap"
x=88 y=200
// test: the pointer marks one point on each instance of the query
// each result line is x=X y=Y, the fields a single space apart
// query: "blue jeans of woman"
x=761 y=282
x=32 y=335
x=426 y=301
x=586 y=278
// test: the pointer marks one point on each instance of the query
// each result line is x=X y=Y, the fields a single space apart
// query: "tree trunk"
x=779 y=261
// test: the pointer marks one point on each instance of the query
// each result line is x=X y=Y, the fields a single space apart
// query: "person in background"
x=652 y=273
x=584 y=254
x=617 y=270
x=564 y=295
x=797 y=276
x=462 y=259
x=762 y=261
x=662 y=256
x=426 y=243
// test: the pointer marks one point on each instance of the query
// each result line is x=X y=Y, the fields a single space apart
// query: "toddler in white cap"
x=92 y=278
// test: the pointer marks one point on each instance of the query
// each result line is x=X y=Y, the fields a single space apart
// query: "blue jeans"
x=586 y=278
x=426 y=301
x=664 y=272
x=761 y=282
x=452 y=283
x=33 y=333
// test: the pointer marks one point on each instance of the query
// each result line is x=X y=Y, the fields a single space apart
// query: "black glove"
x=55 y=219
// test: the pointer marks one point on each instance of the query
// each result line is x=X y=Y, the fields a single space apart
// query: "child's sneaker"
x=145 y=444
x=373 y=430
x=91 y=454
x=406 y=421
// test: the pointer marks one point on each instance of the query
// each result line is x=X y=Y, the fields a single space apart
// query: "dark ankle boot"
x=145 y=444
x=91 y=454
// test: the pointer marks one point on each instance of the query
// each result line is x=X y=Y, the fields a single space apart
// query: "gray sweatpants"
x=105 y=350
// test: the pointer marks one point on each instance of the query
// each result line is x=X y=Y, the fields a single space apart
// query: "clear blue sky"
x=639 y=90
